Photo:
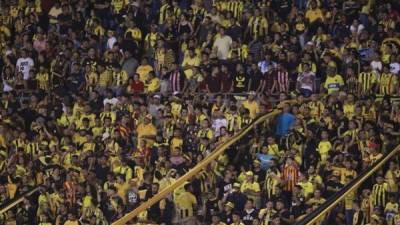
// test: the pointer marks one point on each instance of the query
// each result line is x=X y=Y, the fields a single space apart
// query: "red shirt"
x=137 y=86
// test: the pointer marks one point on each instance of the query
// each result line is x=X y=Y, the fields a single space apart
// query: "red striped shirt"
x=290 y=175
x=283 y=81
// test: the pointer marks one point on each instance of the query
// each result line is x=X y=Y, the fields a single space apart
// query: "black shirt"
x=65 y=22
x=239 y=199
x=240 y=82
x=332 y=184
x=224 y=188
x=101 y=172
x=211 y=208
x=255 y=80
x=249 y=216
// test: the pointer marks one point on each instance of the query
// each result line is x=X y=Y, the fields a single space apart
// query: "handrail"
x=339 y=196
x=13 y=202
x=202 y=164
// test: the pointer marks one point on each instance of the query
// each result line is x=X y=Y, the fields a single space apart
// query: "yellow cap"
x=230 y=204
x=249 y=173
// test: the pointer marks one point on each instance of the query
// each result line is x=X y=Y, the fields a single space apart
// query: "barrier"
x=18 y=200
x=339 y=196
x=192 y=172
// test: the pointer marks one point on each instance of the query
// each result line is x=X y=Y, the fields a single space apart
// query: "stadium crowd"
x=106 y=103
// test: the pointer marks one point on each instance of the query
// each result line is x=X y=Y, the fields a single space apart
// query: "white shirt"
x=111 y=101
x=217 y=124
x=110 y=42
x=357 y=29
x=223 y=46
x=376 y=65
x=266 y=66
x=395 y=68
x=306 y=80
x=24 y=65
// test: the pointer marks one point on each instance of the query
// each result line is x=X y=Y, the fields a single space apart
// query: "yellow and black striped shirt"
x=387 y=84
x=258 y=26
x=32 y=149
x=366 y=80
x=379 y=194
x=236 y=7
x=241 y=53
x=163 y=13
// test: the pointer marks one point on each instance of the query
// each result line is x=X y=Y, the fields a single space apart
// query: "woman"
x=184 y=26
x=135 y=85
x=8 y=78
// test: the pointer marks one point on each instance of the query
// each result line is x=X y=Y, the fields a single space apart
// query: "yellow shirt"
x=348 y=200
x=143 y=71
x=348 y=110
x=274 y=150
x=185 y=202
x=252 y=186
x=70 y=222
x=5 y=30
x=333 y=84
x=144 y=130
x=105 y=79
x=117 y=5
x=314 y=201
x=307 y=187
x=187 y=61
x=176 y=142
x=120 y=78
x=43 y=80
x=153 y=85
x=253 y=108
x=323 y=148
x=135 y=32
x=313 y=15
x=121 y=190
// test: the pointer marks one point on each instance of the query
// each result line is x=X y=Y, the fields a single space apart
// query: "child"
x=43 y=79
x=324 y=146
x=391 y=209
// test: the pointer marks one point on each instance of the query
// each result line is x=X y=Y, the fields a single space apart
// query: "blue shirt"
x=285 y=120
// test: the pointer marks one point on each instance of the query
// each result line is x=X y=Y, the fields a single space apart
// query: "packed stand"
x=106 y=103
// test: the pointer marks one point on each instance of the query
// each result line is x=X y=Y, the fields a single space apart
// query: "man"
x=24 y=64
x=120 y=78
x=251 y=188
x=177 y=79
x=129 y=63
x=257 y=25
x=388 y=82
x=252 y=105
x=290 y=175
x=218 y=122
x=146 y=130
x=281 y=80
x=367 y=80
x=306 y=81
x=380 y=192
x=236 y=198
x=250 y=213
x=156 y=211
x=222 y=44
x=186 y=205
x=334 y=82
x=285 y=121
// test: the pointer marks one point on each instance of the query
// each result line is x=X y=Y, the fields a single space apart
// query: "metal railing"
x=319 y=213
x=219 y=150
